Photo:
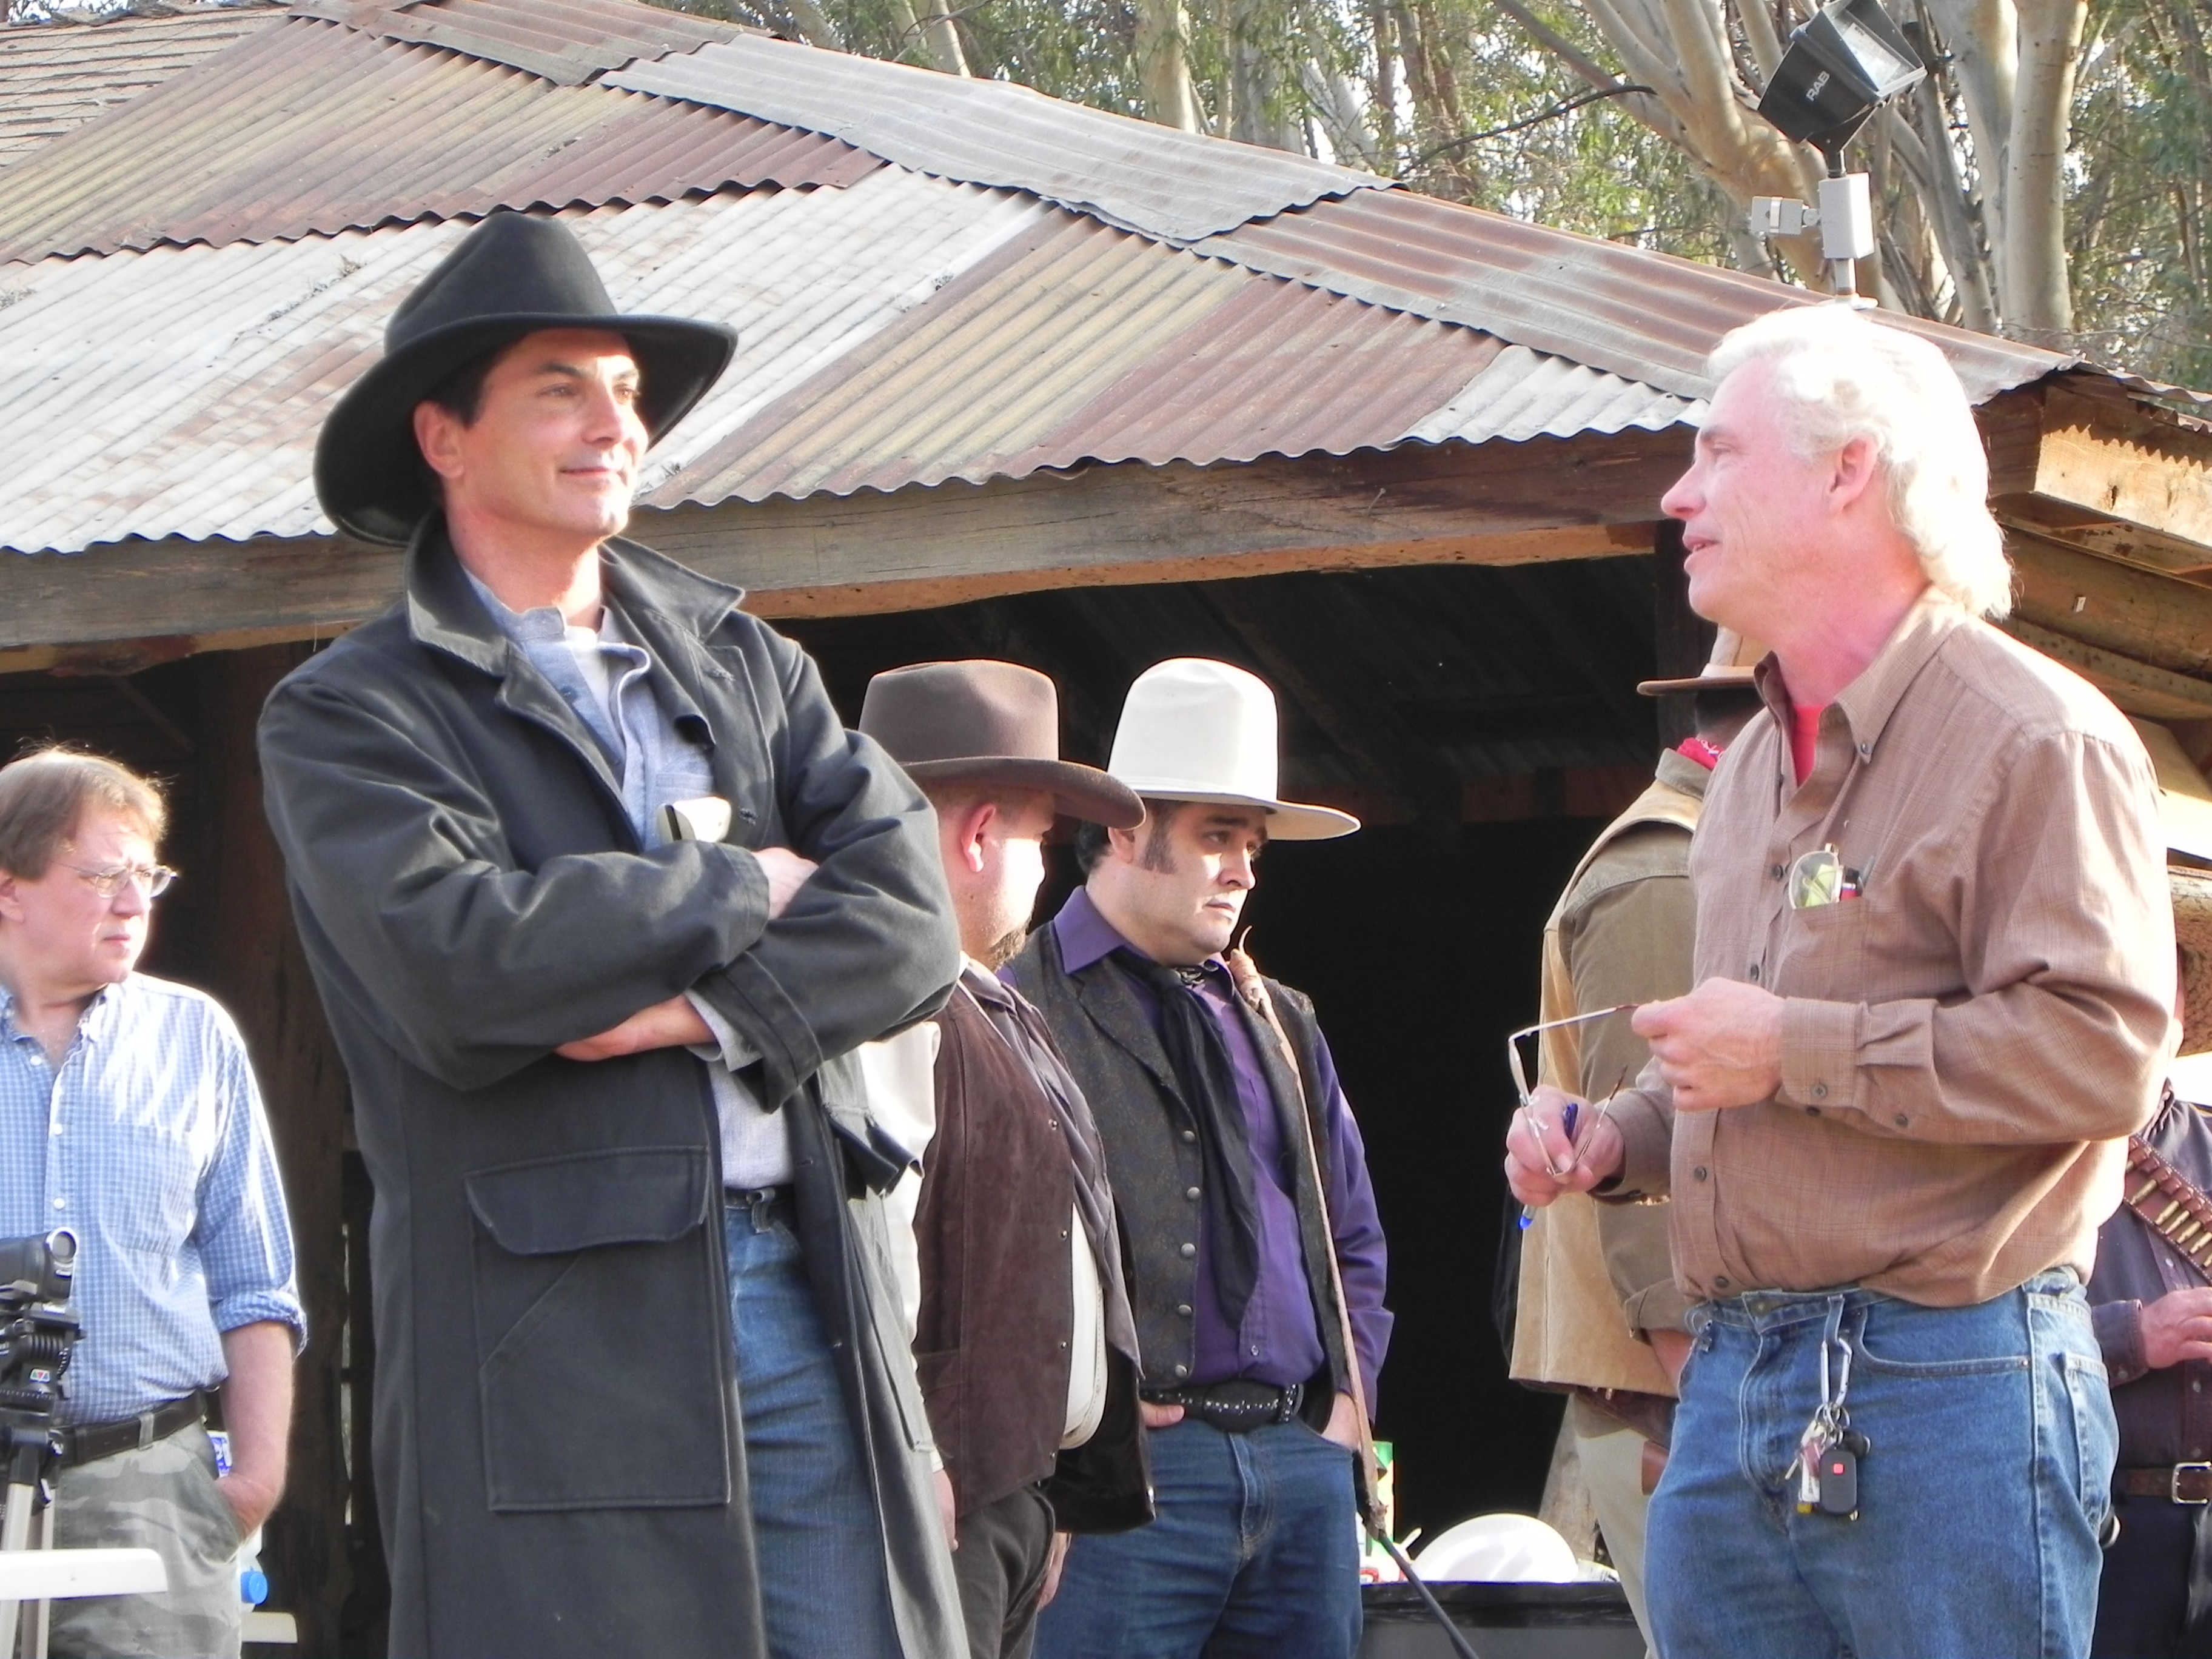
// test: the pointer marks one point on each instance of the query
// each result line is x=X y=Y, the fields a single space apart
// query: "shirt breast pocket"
x=155 y=1175
x=1824 y=950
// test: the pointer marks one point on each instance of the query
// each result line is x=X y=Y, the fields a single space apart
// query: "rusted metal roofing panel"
x=1176 y=185
x=56 y=77
x=1522 y=394
x=1645 y=316
x=1078 y=342
x=178 y=391
x=314 y=127
x=565 y=41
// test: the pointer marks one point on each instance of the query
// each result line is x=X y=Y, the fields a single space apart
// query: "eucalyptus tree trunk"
x=1164 y=64
x=2037 y=304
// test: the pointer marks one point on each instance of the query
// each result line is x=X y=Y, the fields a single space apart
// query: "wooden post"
x=253 y=962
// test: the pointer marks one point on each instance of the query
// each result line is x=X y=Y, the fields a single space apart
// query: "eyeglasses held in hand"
x=1521 y=1078
x=153 y=878
x=1513 y=1043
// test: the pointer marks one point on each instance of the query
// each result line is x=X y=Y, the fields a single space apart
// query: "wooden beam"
x=2121 y=463
x=2133 y=613
x=828 y=556
x=2139 y=689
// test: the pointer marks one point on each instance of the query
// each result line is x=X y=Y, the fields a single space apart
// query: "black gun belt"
x=89 y=1443
x=1238 y=1407
x=2176 y=1483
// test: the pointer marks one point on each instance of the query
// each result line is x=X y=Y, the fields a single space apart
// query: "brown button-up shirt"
x=1967 y=1041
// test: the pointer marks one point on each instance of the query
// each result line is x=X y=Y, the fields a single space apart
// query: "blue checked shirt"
x=149 y=1144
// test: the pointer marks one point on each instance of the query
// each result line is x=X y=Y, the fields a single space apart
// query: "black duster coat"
x=558 y=1463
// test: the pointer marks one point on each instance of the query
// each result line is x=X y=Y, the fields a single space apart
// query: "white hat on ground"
x=1196 y=730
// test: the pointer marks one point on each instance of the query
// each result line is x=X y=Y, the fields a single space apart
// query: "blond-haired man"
x=1934 y=967
x=129 y=1115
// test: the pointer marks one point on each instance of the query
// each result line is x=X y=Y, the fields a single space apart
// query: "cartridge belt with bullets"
x=2177 y=1210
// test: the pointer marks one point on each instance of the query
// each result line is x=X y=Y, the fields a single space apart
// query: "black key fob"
x=1839 y=1480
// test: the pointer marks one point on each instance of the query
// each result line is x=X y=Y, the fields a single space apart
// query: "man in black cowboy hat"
x=601 y=896
x=1026 y=1344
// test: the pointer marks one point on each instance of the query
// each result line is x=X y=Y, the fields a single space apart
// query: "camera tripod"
x=37 y=1334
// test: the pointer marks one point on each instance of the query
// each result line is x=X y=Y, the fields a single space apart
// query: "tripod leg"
x=15 y=1534
x=38 y=1616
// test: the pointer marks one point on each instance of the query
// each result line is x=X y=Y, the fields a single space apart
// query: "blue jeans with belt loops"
x=1981 y=1500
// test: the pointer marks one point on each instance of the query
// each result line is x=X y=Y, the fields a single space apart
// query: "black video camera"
x=38 y=1330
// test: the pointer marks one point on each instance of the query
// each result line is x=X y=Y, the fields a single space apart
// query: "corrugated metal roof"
x=907 y=330
x=1650 y=316
x=1176 y=185
x=1078 y=342
x=314 y=127
x=1522 y=394
x=178 y=391
x=56 y=77
x=565 y=41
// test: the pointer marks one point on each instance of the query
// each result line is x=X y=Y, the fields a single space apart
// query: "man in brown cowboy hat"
x=601 y=896
x=1599 y=1313
x=1027 y=1348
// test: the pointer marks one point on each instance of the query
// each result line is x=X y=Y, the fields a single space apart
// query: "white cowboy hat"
x=1195 y=730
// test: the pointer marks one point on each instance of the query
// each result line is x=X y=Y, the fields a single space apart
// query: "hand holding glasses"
x=1526 y=1111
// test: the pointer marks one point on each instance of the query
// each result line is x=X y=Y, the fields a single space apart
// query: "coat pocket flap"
x=632 y=1195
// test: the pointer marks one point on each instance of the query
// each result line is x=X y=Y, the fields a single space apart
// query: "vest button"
x=1182 y=1310
x=1698 y=1173
x=1752 y=972
x=1186 y=1251
x=1191 y=1193
x=1189 y=1135
x=1183 y=1371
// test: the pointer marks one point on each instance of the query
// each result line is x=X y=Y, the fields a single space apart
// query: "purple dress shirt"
x=1278 y=1341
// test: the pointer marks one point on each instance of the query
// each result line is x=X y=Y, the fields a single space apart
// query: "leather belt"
x=1237 y=1407
x=2176 y=1483
x=89 y=1443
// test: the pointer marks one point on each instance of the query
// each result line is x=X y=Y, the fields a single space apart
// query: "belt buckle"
x=2173 y=1483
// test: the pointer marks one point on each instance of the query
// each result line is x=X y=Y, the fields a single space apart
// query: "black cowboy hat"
x=988 y=722
x=511 y=276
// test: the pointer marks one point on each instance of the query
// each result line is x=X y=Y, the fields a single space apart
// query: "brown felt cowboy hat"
x=988 y=722
x=510 y=276
x=1729 y=668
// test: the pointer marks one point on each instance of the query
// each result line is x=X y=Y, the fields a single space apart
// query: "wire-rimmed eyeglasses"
x=153 y=878
x=1513 y=1043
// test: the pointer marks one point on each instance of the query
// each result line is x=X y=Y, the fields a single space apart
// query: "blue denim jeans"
x=1254 y=1554
x=1988 y=1479
x=823 y=1589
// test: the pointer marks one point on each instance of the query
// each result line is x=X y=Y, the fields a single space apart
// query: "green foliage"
x=2141 y=200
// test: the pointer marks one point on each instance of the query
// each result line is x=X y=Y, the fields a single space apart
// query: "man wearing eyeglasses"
x=1934 y=983
x=129 y=1115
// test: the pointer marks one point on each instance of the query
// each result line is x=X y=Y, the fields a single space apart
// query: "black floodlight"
x=1840 y=68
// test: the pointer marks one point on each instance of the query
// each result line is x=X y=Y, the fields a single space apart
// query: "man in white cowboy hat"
x=1934 y=967
x=2151 y=1295
x=601 y=897
x=1599 y=1313
x=1242 y=1186
x=1027 y=1347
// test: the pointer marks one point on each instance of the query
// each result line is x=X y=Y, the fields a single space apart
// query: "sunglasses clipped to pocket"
x=1820 y=877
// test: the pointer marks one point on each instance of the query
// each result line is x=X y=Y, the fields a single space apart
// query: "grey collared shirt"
x=607 y=679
